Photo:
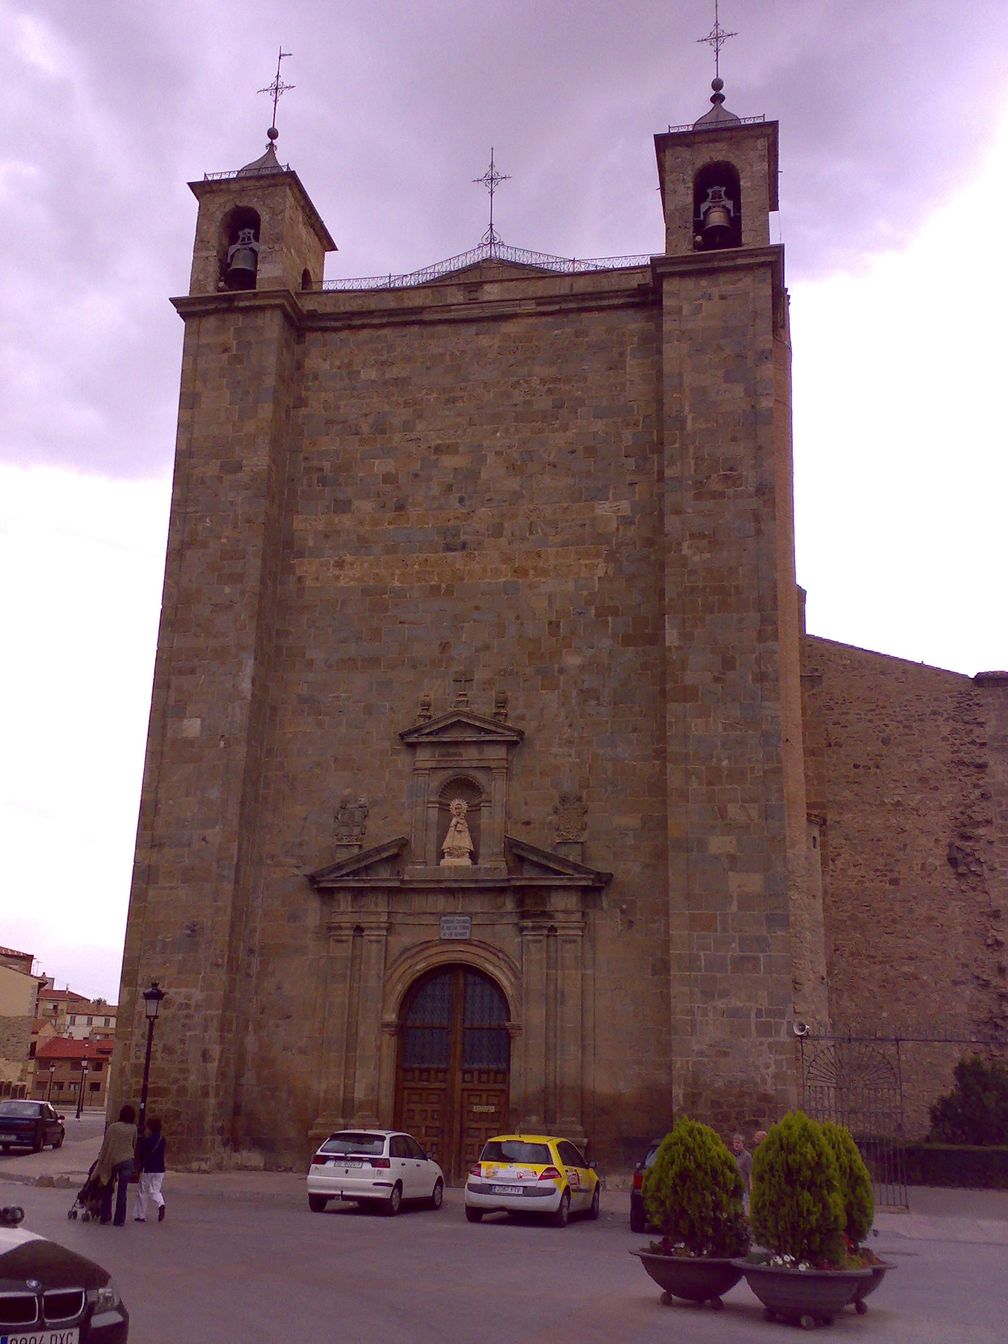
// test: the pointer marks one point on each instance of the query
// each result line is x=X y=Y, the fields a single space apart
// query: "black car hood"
x=53 y=1264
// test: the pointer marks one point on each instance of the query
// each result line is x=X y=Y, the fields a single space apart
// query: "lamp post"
x=80 y=1090
x=152 y=1003
x=52 y=1070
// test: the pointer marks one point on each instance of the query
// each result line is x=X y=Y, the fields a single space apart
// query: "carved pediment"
x=527 y=866
x=527 y=861
x=461 y=725
x=379 y=862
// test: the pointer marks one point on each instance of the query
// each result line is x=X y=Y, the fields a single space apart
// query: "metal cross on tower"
x=277 y=88
x=716 y=38
x=491 y=179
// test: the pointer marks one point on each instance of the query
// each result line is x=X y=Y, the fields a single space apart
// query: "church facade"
x=492 y=781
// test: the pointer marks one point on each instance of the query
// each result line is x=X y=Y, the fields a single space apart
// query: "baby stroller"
x=87 y=1205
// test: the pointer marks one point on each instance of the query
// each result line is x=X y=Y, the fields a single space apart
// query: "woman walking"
x=115 y=1164
x=150 y=1156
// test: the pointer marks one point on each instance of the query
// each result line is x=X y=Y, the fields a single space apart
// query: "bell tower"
x=259 y=244
x=257 y=229
x=718 y=180
x=743 y=927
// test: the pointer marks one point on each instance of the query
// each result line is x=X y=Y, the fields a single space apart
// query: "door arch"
x=453 y=1065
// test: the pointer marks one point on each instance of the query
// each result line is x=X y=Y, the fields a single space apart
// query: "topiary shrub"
x=855 y=1182
x=796 y=1207
x=693 y=1194
x=976 y=1110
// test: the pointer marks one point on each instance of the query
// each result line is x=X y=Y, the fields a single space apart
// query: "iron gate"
x=858 y=1082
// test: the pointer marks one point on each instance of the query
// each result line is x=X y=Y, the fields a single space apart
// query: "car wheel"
x=394 y=1201
x=563 y=1212
x=58 y=1142
x=4 y=1148
x=37 y=1143
x=317 y=1203
x=437 y=1195
x=474 y=1215
x=638 y=1223
x=593 y=1208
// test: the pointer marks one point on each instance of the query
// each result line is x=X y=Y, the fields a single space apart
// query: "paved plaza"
x=240 y=1258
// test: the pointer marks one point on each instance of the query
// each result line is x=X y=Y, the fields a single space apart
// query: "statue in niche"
x=458 y=846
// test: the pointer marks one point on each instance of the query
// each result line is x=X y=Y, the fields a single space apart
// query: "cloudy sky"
x=894 y=197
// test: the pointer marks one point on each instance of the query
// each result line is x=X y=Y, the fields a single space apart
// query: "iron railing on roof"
x=496 y=251
x=717 y=125
x=242 y=172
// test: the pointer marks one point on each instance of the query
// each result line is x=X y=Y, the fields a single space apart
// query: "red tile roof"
x=65 y=1047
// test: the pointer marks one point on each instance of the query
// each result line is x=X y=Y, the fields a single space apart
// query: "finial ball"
x=717 y=85
x=272 y=133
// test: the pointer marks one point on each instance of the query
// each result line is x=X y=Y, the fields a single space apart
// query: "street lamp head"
x=152 y=1000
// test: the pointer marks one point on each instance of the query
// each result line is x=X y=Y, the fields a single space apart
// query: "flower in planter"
x=797 y=1208
x=693 y=1195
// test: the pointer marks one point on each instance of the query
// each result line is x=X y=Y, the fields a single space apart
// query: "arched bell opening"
x=306 y=280
x=459 y=804
x=717 y=208
x=453 y=1065
x=239 y=251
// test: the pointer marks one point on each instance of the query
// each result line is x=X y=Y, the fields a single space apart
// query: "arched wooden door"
x=452 y=1070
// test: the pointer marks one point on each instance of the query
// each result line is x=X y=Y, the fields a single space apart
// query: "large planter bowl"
x=806 y=1297
x=867 y=1286
x=691 y=1278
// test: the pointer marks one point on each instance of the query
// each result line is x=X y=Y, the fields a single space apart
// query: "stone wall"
x=907 y=770
x=15 y=1043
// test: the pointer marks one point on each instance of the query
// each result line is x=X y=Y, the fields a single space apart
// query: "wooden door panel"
x=421 y=1108
x=484 y=1110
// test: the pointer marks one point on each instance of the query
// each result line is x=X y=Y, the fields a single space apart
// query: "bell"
x=716 y=215
x=242 y=261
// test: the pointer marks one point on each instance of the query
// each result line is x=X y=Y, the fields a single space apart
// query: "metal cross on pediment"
x=716 y=38
x=278 y=86
x=492 y=179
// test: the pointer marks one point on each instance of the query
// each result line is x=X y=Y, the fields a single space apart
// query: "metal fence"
x=882 y=1089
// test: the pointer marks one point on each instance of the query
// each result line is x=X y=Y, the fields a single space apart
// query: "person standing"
x=115 y=1164
x=743 y=1160
x=150 y=1162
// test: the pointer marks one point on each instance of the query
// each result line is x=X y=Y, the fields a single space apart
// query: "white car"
x=383 y=1167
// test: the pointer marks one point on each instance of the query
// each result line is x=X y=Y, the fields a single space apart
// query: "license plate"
x=7 y=1138
x=351 y=1166
x=507 y=1189
x=43 y=1337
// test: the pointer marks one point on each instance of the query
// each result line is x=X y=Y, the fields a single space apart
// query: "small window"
x=346 y=1143
x=398 y=1146
x=571 y=1156
x=517 y=1150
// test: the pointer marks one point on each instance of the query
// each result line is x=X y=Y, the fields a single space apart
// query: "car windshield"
x=516 y=1150
x=31 y=1109
x=369 y=1145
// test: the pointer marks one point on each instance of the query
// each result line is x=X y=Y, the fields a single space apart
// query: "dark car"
x=638 y=1214
x=29 y=1124
x=50 y=1294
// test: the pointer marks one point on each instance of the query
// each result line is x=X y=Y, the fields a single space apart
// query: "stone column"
x=368 y=1037
x=531 y=1105
x=332 y=1059
x=570 y=940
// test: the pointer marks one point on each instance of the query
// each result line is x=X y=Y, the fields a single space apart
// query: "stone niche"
x=459 y=756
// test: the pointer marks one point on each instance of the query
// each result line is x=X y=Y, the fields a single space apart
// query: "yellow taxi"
x=532 y=1173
